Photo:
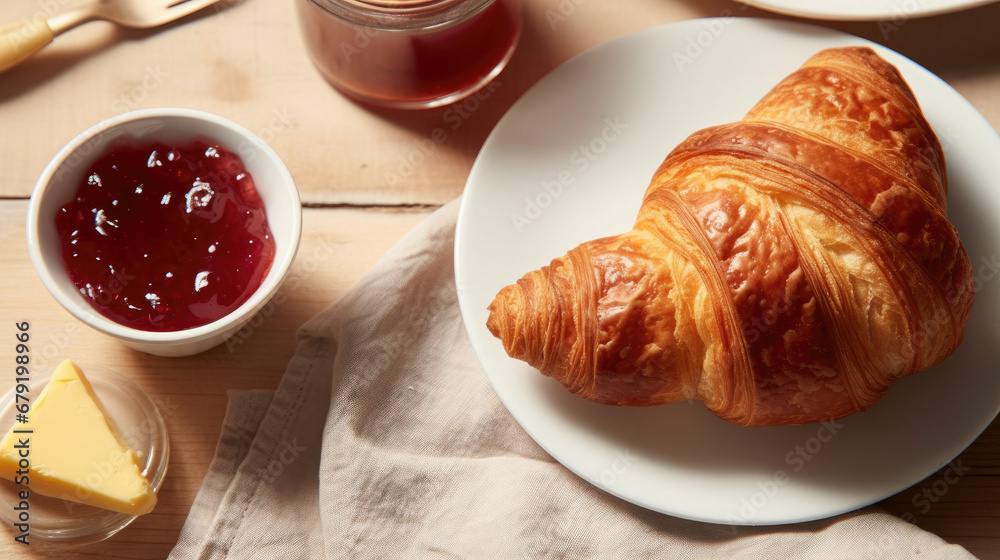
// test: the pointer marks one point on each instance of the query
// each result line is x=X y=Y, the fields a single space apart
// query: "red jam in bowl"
x=166 y=237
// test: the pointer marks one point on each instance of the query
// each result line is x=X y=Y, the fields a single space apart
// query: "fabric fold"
x=384 y=439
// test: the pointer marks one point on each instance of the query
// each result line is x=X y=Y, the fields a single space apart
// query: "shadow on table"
x=957 y=43
x=467 y=123
x=950 y=45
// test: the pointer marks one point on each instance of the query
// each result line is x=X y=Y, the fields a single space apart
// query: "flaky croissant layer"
x=784 y=269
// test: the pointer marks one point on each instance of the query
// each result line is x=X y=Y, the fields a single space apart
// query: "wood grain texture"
x=243 y=60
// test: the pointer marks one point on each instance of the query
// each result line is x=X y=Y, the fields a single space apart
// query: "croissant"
x=784 y=269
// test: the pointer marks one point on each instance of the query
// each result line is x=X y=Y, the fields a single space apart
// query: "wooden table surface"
x=244 y=60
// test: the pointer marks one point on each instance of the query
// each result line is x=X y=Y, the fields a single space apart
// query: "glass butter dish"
x=138 y=425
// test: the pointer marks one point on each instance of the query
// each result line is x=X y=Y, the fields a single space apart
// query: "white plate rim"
x=474 y=326
x=894 y=11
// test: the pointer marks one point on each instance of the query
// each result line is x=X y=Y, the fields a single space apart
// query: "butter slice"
x=74 y=451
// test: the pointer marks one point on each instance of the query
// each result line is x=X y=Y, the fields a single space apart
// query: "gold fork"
x=20 y=40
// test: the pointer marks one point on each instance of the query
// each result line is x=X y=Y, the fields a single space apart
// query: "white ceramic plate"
x=629 y=102
x=894 y=11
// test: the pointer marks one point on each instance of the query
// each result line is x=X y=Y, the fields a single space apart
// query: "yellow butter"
x=74 y=452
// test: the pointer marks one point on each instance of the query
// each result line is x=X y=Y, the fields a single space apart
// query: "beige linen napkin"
x=385 y=440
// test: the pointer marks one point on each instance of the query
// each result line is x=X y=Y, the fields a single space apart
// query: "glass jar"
x=410 y=53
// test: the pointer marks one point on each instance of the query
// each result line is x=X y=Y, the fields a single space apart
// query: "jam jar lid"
x=403 y=15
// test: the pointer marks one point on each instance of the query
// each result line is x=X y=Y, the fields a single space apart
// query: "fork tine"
x=181 y=8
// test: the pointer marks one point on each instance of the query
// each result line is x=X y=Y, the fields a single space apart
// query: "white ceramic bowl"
x=60 y=179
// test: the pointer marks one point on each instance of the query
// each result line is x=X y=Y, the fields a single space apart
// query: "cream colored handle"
x=20 y=40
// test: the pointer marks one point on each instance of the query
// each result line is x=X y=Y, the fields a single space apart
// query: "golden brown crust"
x=784 y=269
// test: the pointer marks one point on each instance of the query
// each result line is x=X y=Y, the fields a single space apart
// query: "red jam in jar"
x=166 y=237
x=410 y=53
